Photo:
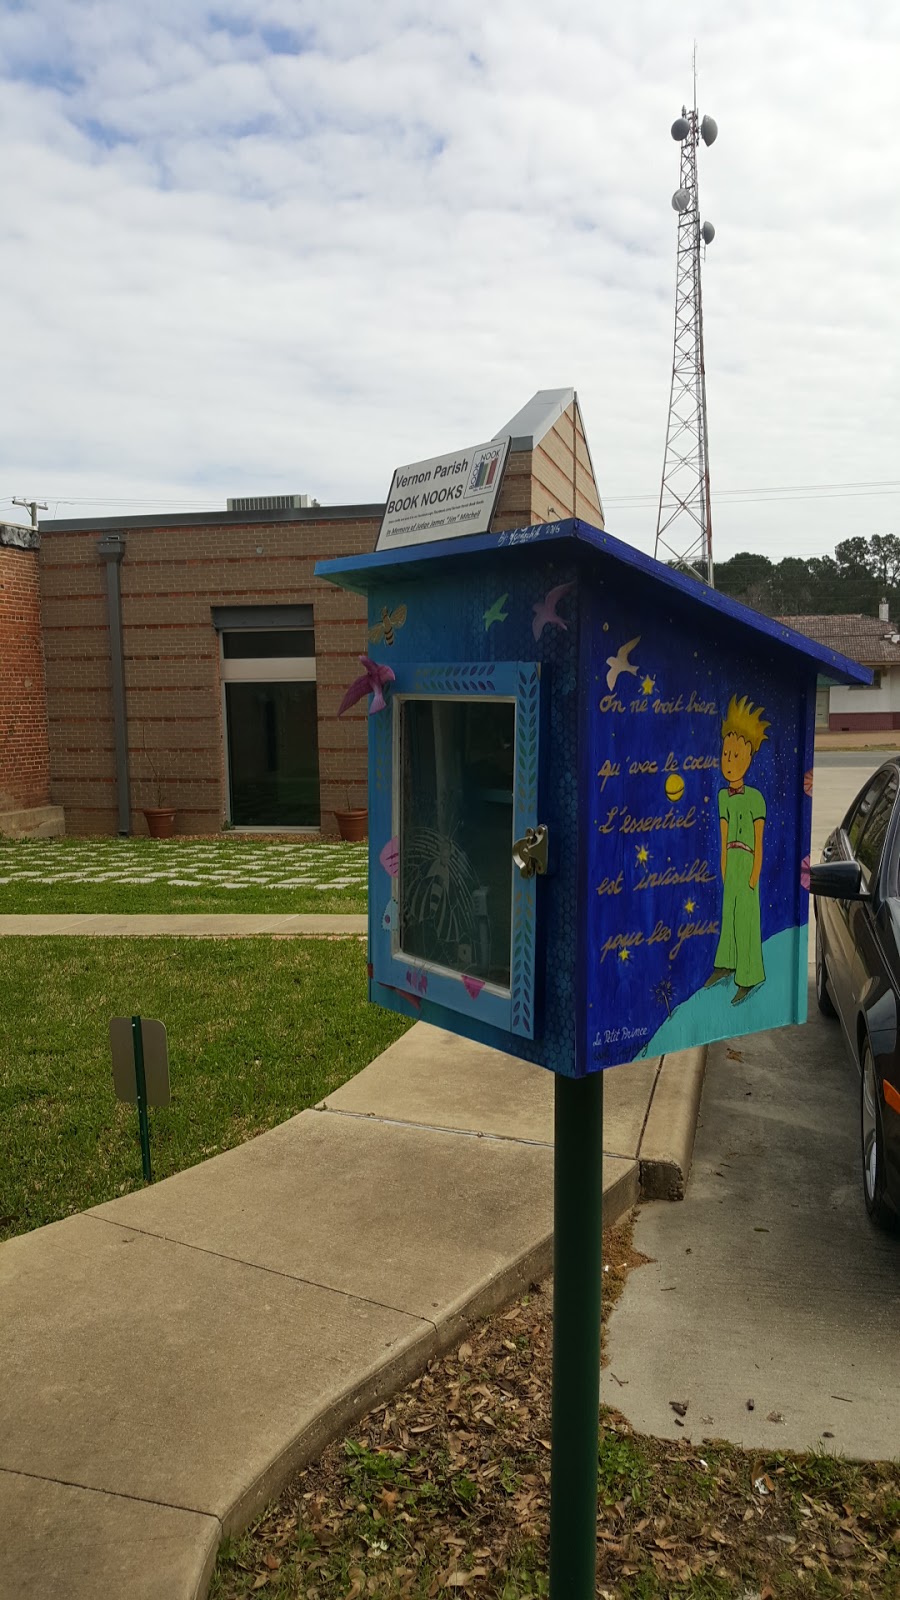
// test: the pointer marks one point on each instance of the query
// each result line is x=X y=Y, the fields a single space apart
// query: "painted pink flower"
x=372 y=682
x=808 y=783
x=804 y=872
x=472 y=986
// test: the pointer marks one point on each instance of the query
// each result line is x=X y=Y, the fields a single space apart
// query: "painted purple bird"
x=372 y=682
x=545 y=610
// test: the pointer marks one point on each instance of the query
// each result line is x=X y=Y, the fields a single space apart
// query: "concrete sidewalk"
x=193 y=925
x=171 y=1357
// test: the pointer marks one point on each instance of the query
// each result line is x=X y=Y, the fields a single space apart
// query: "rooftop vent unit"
x=273 y=502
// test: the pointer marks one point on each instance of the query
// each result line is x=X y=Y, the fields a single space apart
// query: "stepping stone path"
x=212 y=864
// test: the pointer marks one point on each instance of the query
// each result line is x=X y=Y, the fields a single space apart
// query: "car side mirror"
x=837 y=880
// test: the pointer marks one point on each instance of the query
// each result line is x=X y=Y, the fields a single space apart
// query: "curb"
x=667 y=1145
x=490 y=1296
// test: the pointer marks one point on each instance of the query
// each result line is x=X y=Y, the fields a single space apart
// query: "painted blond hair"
x=745 y=720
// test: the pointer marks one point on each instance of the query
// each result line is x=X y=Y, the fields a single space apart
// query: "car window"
x=855 y=820
x=871 y=843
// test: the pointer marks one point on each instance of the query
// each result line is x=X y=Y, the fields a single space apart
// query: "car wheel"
x=872 y=1134
x=823 y=998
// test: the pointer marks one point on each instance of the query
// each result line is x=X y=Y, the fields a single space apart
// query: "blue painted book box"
x=590 y=794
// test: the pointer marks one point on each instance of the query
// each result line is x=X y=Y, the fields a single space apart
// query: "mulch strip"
x=445 y=1490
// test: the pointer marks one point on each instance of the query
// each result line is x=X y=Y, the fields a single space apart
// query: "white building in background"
x=875 y=643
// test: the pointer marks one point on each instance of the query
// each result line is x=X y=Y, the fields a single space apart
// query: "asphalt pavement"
x=868 y=760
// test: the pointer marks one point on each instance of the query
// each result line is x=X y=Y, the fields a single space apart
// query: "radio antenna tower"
x=684 y=522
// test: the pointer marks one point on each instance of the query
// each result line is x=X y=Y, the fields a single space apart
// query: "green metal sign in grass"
x=140 y=1068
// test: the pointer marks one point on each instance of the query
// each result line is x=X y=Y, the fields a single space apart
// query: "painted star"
x=624 y=955
x=690 y=905
x=648 y=685
x=643 y=854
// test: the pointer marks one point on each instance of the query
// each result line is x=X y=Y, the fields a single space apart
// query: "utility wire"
x=763 y=494
x=778 y=488
x=797 y=491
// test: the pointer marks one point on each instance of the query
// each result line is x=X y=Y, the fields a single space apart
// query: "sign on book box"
x=445 y=497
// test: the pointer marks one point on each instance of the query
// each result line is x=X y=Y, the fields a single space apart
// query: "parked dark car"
x=857 y=905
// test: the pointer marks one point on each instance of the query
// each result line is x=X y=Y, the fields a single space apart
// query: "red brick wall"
x=862 y=721
x=24 y=755
x=170 y=578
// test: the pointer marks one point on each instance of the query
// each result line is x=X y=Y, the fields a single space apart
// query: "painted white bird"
x=620 y=663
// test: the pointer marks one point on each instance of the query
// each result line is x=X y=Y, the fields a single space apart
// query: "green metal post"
x=577 y=1275
x=137 y=1034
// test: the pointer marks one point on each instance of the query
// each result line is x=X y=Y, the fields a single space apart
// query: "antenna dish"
x=680 y=128
x=680 y=200
x=708 y=233
x=709 y=130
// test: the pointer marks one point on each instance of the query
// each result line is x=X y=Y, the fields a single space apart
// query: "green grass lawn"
x=180 y=875
x=258 y=1029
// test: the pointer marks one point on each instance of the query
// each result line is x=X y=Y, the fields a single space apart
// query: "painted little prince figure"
x=742 y=814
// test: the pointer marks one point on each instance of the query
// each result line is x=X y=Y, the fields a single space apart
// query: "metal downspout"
x=111 y=549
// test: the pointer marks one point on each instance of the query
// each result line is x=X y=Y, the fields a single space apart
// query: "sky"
x=287 y=246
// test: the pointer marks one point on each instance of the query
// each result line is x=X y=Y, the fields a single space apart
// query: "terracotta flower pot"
x=160 y=821
x=353 y=825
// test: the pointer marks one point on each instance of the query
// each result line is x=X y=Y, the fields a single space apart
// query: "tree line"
x=861 y=573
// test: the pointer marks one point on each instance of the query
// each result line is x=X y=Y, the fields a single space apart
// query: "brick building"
x=193 y=661
x=875 y=643
x=24 y=748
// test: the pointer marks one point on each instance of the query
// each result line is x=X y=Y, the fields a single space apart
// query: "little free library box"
x=590 y=794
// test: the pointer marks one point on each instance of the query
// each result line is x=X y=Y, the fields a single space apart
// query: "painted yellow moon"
x=674 y=786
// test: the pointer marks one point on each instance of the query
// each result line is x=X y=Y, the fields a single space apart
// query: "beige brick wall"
x=171 y=578
x=562 y=476
x=554 y=481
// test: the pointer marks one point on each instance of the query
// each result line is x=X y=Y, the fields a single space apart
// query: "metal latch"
x=530 y=853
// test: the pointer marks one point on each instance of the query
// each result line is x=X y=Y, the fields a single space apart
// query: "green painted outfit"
x=740 y=946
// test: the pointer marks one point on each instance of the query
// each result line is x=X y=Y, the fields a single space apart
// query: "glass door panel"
x=273 y=754
x=456 y=836
x=454 y=764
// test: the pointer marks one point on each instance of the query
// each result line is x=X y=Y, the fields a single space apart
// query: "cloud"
x=288 y=247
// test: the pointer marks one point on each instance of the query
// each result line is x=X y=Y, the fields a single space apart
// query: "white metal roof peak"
x=529 y=426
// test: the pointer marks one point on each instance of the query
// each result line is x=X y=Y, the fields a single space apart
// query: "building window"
x=271 y=723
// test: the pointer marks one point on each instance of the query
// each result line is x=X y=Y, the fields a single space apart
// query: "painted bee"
x=385 y=628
